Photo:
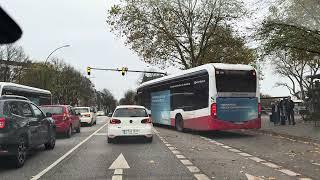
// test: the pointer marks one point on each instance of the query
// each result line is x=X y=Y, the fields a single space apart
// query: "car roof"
x=82 y=107
x=130 y=106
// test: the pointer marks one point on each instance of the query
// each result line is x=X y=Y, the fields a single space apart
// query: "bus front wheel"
x=179 y=123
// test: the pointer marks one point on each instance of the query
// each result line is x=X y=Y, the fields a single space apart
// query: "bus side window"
x=201 y=95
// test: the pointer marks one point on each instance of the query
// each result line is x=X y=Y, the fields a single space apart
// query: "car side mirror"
x=48 y=114
x=110 y=114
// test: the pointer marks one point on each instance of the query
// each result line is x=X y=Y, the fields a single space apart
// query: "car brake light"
x=214 y=110
x=2 y=123
x=115 y=121
x=144 y=121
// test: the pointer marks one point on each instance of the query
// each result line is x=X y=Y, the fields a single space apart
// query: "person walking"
x=289 y=106
x=282 y=111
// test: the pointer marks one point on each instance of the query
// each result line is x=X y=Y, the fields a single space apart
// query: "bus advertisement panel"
x=160 y=107
x=237 y=109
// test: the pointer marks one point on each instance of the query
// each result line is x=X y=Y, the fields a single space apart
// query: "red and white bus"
x=209 y=97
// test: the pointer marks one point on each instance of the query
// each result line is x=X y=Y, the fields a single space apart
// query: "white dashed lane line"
x=258 y=160
x=269 y=164
x=179 y=156
x=187 y=163
x=193 y=169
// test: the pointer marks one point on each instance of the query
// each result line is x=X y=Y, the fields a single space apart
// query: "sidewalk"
x=303 y=130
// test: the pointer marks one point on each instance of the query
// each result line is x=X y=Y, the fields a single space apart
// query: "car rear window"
x=52 y=109
x=81 y=110
x=130 y=112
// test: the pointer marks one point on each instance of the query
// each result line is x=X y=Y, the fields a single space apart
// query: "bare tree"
x=13 y=62
x=296 y=66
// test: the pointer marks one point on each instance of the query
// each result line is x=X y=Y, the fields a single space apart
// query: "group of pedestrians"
x=283 y=111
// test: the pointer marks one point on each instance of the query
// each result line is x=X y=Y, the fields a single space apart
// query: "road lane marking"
x=219 y=144
x=179 y=156
x=256 y=159
x=39 y=175
x=176 y=152
x=245 y=154
x=186 y=162
x=289 y=173
x=317 y=164
x=118 y=171
x=101 y=134
x=119 y=163
x=201 y=177
x=251 y=177
x=269 y=164
x=116 y=177
x=193 y=169
x=234 y=150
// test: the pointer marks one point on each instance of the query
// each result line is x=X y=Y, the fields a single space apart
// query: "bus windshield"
x=236 y=81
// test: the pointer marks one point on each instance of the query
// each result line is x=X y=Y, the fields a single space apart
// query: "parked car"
x=100 y=113
x=87 y=115
x=130 y=120
x=65 y=117
x=23 y=126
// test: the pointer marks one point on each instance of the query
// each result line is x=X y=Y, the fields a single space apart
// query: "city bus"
x=36 y=95
x=209 y=97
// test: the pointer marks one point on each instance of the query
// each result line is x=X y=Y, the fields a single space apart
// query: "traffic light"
x=124 y=70
x=88 y=71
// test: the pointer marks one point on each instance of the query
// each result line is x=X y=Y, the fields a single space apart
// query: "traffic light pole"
x=126 y=70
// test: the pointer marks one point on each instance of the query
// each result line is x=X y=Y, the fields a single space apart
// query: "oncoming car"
x=130 y=120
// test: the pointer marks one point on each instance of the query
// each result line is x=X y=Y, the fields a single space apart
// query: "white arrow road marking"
x=118 y=165
x=251 y=177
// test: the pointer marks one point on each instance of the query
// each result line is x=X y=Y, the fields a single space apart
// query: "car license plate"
x=130 y=131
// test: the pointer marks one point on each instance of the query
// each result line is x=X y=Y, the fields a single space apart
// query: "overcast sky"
x=48 y=24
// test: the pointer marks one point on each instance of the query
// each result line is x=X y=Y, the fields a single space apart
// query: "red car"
x=66 y=119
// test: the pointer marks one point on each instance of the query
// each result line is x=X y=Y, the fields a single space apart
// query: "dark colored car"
x=22 y=126
x=65 y=117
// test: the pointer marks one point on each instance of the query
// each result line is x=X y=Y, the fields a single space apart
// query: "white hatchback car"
x=87 y=115
x=130 y=120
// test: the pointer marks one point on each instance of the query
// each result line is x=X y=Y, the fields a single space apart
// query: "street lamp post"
x=55 y=51
x=45 y=63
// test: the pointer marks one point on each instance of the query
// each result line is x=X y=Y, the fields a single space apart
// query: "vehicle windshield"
x=236 y=81
x=54 y=110
x=130 y=112
x=81 y=110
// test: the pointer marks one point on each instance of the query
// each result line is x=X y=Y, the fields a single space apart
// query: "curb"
x=298 y=138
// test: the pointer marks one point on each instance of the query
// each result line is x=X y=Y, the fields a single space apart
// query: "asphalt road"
x=171 y=155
